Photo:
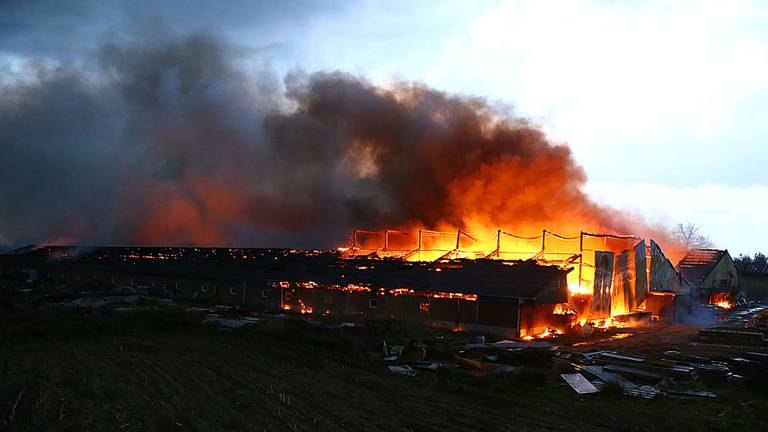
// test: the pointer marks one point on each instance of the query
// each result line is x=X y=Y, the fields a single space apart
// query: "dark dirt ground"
x=164 y=371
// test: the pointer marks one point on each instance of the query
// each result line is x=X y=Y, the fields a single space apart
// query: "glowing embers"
x=352 y=288
x=432 y=294
x=291 y=292
x=617 y=336
x=607 y=323
x=724 y=304
x=563 y=309
x=630 y=320
x=723 y=300
x=349 y=288
x=548 y=333
x=586 y=329
x=304 y=309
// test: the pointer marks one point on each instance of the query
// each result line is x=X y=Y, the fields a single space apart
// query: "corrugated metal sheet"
x=601 y=301
x=664 y=276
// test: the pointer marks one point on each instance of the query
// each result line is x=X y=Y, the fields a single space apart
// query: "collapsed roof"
x=699 y=263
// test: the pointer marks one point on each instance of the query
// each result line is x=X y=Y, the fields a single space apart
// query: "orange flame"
x=723 y=300
x=563 y=309
x=304 y=309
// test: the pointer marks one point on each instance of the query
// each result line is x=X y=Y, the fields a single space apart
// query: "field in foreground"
x=60 y=370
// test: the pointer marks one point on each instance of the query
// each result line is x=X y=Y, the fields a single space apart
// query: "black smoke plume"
x=179 y=142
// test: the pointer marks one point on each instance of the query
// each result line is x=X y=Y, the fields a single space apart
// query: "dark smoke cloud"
x=58 y=140
x=175 y=141
x=66 y=30
x=79 y=153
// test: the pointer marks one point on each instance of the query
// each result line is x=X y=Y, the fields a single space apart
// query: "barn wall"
x=376 y=305
x=724 y=277
x=499 y=312
x=496 y=314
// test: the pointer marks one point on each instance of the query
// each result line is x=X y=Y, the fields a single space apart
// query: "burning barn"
x=405 y=156
x=513 y=285
x=609 y=278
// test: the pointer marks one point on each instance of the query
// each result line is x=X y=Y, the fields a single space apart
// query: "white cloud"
x=607 y=77
x=734 y=217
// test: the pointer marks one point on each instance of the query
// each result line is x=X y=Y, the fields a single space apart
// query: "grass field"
x=162 y=370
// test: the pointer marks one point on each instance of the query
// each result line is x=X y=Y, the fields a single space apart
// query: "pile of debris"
x=230 y=322
x=475 y=358
x=225 y=317
x=669 y=373
x=105 y=302
x=748 y=327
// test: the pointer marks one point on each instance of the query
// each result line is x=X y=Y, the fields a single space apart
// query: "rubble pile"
x=746 y=327
x=669 y=373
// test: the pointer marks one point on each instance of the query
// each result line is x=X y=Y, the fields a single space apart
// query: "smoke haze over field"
x=176 y=142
